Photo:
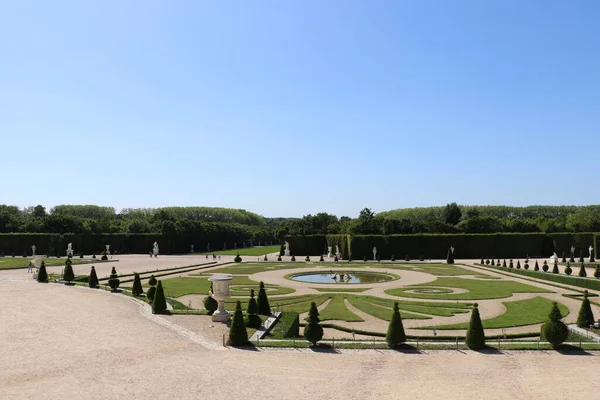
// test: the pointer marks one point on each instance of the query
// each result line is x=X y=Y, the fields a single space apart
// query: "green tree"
x=452 y=213
x=475 y=339
x=42 y=274
x=395 y=333
x=238 y=335
x=252 y=319
x=68 y=274
x=93 y=281
x=113 y=280
x=313 y=331
x=586 y=316
x=263 y=302
x=554 y=330
x=137 y=285
x=159 y=305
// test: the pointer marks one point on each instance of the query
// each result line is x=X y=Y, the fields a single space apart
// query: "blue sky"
x=288 y=108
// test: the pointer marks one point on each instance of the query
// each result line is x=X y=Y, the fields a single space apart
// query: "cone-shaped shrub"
x=536 y=267
x=555 y=268
x=518 y=264
x=582 y=273
x=365 y=258
x=150 y=293
x=335 y=259
x=313 y=331
x=482 y=261
x=263 y=302
x=137 y=285
x=504 y=263
x=597 y=272
x=493 y=262
x=421 y=258
x=252 y=319
x=581 y=256
x=572 y=259
x=475 y=339
x=545 y=266
x=68 y=274
x=237 y=258
x=586 y=316
x=393 y=258
x=114 y=281
x=238 y=335
x=564 y=259
x=42 y=274
x=568 y=269
x=265 y=258
x=159 y=305
x=93 y=282
x=554 y=331
x=510 y=264
x=278 y=258
x=321 y=259
x=450 y=257
x=395 y=333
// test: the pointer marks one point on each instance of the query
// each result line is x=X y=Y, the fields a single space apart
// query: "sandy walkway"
x=68 y=343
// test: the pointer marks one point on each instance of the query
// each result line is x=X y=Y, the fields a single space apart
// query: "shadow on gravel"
x=569 y=350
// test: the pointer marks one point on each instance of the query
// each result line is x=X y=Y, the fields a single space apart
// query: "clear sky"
x=287 y=108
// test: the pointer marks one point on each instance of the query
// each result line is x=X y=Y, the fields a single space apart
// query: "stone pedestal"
x=220 y=293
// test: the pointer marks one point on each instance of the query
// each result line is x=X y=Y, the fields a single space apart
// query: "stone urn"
x=220 y=293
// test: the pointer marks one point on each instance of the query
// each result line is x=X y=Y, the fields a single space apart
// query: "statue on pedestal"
x=286 y=251
x=374 y=253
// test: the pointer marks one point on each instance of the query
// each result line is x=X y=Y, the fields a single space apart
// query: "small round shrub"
x=597 y=272
x=237 y=258
x=278 y=258
x=307 y=258
x=321 y=259
x=545 y=266
x=568 y=269
x=294 y=258
x=407 y=258
x=487 y=261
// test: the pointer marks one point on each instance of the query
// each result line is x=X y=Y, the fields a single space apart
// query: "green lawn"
x=20 y=262
x=438 y=309
x=380 y=312
x=335 y=290
x=478 y=289
x=248 y=251
x=337 y=310
x=254 y=268
x=518 y=313
x=433 y=269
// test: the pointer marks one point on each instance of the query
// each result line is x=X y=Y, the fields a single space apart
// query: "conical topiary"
x=564 y=258
x=536 y=267
x=210 y=304
x=493 y=263
x=93 y=281
x=263 y=302
x=42 y=274
x=518 y=264
x=597 y=272
x=294 y=258
x=278 y=258
x=252 y=318
x=504 y=263
x=393 y=258
x=482 y=261
x=545 y=266
x=582 y=272
x=555 y=268
x=586 y=315
x=554 y=331
x=568 y=269
x=581 y=256
x=407 y=258
x=137 y=285
x=68 y=274
x=114 y=281
x=421 y=258
x=364 y=258
x=475 y=339
x=313 y=331
x=450 y=257
x=510 y=264
x=395 y=333
x=159 y=305
x=238 y=335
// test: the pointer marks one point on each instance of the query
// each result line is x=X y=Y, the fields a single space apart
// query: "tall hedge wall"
x=500 y=245
x=51 y=244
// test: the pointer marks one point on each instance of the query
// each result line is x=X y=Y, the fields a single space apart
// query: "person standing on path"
x=29 y=267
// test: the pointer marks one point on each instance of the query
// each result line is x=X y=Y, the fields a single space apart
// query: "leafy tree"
x=554 y=331
x=137 y=285
x=313 y=331
x=42 y=274
x=159 y=305
x=395 y=333
x=452 y=214
x=582 y=272
x=93 y=281
x=252 y=319
x=475 y=339
x=68 y=274
x=586 y=316
x=238 y=335
x=113 y=280
x=263 y=302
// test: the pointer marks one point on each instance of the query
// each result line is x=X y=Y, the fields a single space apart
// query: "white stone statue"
x=591 y=249
x=155 y=249
x=108 y=249
x=70 y=250
x=329 y=253
x=553 y=259
x=374 y=253
x=286 y=251
x=191 y=248
x=452 y=249
x=33 y=249
x=337 y=252
x=573 y=250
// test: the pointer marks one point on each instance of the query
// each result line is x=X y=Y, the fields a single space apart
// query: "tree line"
x=452 y=218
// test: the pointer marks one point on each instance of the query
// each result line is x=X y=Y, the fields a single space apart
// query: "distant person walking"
x=29 y=267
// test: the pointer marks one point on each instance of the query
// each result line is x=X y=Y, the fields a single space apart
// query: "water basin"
x=342 y=277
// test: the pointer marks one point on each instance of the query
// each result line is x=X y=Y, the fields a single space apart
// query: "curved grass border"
x=393 y=276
